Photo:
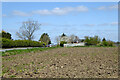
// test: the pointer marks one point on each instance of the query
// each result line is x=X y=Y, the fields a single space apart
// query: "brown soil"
x=78 y=62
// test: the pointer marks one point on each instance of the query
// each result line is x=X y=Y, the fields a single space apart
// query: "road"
x=3 y=50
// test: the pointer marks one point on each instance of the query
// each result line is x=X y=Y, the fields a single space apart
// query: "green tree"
x=92 y=40
x=96 y=40
x=103 y=39
x=63 y=35
x=45 y=38
x=5 y=35
x=87 y=40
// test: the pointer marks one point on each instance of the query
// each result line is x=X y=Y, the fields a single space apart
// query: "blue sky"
x=78 y=18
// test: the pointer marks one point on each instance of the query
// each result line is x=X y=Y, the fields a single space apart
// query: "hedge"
x=62 y=43
x=7 y=43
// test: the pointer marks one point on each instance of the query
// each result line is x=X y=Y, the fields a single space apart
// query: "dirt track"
x=78 y=62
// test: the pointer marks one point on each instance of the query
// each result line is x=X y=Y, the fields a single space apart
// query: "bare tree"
x=26 y=32
x=76 y=39
x=72 y=37
x=57 y=39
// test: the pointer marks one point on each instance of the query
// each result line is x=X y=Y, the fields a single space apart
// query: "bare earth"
x=78 y=62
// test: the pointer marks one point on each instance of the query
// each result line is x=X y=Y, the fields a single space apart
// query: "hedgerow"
x=7 y=43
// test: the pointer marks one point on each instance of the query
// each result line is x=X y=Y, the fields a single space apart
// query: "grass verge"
x=14 y=52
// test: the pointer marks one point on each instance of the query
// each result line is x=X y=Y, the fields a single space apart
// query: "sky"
x=78 y=18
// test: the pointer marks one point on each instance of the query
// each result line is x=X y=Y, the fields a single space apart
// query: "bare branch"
x=28 y=29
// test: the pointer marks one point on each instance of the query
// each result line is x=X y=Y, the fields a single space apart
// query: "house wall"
x=74 y=44
x=65 y=38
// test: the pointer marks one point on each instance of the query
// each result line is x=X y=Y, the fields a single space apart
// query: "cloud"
x=109 y=24
x=42 y=12
x=89 y=25
x=58 y=25
x=54 y=11
x=108 y=7
x=101 y=8
x=104 y=24
x=46 y=24
x=20 y=13
x=4 y=15
x=114 y=7
x=86 y=25
x=114 y=24
x=81 y=9
x=61 y=11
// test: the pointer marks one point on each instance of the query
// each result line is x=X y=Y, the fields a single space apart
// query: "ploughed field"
x=77 y=62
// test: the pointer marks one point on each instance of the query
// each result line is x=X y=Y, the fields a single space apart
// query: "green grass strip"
x=21 y=51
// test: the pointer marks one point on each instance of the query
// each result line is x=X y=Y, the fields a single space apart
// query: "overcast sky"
x=78 y=18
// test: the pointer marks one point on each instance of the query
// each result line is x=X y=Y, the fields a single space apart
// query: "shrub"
x=57 y=45
x=107 y=43
x=100 y=44
x=110 y=43
x=62 y=43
